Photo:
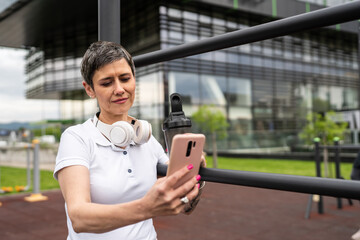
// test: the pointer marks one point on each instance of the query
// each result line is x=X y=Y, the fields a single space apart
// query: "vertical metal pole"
x=36 y=171
x=337 y=166
x=28 y=169
x=358 y=61
x=317 y=157
x=318 y=172
x=1 y=191
x=308 y=207
x=36 y=195
x=109 y=20
x=356 y=131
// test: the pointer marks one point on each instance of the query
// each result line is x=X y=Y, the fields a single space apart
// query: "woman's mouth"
x=120 y=100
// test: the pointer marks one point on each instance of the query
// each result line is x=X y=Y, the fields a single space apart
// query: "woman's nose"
x=118 y=88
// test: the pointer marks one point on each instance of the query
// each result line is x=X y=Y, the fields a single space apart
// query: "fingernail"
x=190 y=166
x=198 y=185
x=198 y=177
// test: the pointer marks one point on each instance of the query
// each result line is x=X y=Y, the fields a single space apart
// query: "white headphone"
x=121 y=133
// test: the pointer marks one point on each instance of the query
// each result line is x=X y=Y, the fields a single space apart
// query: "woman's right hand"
x=164 y=199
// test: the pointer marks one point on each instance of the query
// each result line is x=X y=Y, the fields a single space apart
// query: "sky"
x=14 y=107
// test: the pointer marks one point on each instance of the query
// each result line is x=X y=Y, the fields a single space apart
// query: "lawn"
x=11 y=177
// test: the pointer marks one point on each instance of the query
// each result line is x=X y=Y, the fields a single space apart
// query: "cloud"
x=13 y=104
x=12 y=72
x=25 y=110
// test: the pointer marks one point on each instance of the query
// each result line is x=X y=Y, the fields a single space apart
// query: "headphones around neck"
x=121 y=133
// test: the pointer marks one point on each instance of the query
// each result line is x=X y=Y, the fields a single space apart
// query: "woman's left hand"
x=193 y=203
x=203 y=160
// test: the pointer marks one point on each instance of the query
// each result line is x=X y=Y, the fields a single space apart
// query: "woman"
x=111 y=191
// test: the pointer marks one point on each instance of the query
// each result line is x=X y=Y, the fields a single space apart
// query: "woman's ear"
x=88 y=89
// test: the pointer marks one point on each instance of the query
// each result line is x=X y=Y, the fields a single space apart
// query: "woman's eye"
x=105 y=84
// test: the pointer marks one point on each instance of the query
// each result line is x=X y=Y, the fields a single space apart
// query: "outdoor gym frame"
x=292 y=183
x=307 y=21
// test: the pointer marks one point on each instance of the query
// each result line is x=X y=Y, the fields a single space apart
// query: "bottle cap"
x=176 y=117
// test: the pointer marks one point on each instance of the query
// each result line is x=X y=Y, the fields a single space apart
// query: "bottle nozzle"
x=176 y=102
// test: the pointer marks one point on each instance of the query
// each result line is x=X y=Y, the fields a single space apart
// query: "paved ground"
x=225 y=212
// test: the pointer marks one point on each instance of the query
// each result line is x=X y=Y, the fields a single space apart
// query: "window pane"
x=187 y=85
x=239 y=91
x=211 y=92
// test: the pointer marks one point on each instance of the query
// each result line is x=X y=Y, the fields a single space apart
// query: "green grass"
x=11 y=177
x=293 y=167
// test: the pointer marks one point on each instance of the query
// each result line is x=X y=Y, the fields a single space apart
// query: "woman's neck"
x=112 y=119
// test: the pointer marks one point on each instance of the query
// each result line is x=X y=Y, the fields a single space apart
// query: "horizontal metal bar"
x=316 y=19
x=341 y=147
x=302 y=184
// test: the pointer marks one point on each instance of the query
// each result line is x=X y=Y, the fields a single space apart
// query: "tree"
x=325 y=128
x=212 y=121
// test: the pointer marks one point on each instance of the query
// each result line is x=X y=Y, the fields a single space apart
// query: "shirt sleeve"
x=72 y=151
x=159 y=151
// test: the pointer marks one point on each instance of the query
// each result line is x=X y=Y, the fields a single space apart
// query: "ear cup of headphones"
x=121 y=133
x=142 y=131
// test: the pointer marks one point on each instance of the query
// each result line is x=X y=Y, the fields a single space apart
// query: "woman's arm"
x=162 y=199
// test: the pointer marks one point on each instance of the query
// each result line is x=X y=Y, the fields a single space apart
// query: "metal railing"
x=307 y=21
x=292 y=183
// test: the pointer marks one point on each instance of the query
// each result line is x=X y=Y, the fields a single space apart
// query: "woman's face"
x=114 y=88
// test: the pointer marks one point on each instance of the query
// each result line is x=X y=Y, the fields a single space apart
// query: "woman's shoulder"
x=157 y=149
x=153 y=141
x=155 y=145
x=82 y=130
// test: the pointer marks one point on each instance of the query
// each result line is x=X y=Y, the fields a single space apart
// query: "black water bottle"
x=177 y=122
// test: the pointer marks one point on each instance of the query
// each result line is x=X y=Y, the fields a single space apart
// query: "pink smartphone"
x=186 y=149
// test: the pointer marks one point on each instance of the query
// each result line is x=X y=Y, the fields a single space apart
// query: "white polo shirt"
x=116 y=175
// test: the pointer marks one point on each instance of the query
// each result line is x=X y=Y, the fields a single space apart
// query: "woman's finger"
x=203 y=160
x=178 y=175
x=187 y=188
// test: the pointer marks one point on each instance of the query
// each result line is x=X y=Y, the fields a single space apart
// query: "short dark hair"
x=101 y=53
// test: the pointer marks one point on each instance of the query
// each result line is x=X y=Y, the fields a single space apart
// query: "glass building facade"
x=326 y=2
x=265 y=89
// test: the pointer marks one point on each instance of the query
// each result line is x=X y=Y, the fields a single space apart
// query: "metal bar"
x=308 y=207
x=337 y=159
x=358 y=70
x=36 y=170
x=317 y=159
x=341 y=147
x=28 y=168
x=316 y=19
x=318 y=174
x=36 y=195
x=291 y=183
x=337 y=168
x=109 y=20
